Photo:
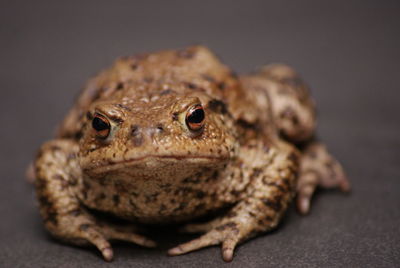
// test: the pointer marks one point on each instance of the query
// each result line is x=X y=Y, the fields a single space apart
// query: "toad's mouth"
x=111 y=165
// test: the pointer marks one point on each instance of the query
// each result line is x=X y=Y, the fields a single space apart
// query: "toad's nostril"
x=135 y=130
x=160 y=128
x=152 y=131
x=137 y=137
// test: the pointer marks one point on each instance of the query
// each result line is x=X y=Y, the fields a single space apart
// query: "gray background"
x=348 y=51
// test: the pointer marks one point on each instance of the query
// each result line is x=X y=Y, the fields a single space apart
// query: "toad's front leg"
x=267 y=197
x=57 y=173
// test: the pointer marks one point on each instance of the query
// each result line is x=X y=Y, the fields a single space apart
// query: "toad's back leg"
x=290 y=103
x=293 y=113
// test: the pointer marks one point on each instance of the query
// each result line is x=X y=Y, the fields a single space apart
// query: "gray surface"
x=348 y=51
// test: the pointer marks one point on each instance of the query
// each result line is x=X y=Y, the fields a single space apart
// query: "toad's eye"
x=101 y=125
x=195 y=118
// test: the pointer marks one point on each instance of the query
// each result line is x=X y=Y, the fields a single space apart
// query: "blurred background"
x=347 y=51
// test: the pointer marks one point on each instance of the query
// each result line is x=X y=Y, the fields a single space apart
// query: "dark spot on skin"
x=295 y=82
x=102 y=181
x=75 y=212
x=250 y=126
x=50 y=211
x=120 y=186
x=266 y=148
x=274 y=204
x=84 y=227
x=331 y=169
x=116 y=200
x=148 y=80
x=213 y=177
x=134 y=194
x=40 y=184
x=162 y=208
x=84 y=194
x=284 y=91
x=100 y=197
x=119 y=86
x=217 y=106
x=313 y=154
x=123 y=107
x=286 y=182
x=209 y=78
x=295 y=120
x=45 y=202
x=175 y=116
x=252 y=214
x=166 y=92
x=64 y=183
x=181 y=206
x=183 y=190
x=71 y=156
x=132 y=204
x=51 y=217
x=293 y=157
x=166 y=185
x=268 y=218
x=200 y=194
x=256 y=172
x=231 y=214
x=151 y=197
x=280 y=186
x=134 y=66
x=199 y=207
x=78 y=135
x=190 y=85
x=73 y=181
x=290 y=114
x=86 y=185
x=55 y=148
x=229 y=225
x=236 y=193
x=185 y=53
x=221 y=85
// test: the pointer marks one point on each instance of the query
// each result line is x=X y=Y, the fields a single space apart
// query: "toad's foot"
x=228 y=234
x=57 y=173
x=100 y=234
x=265 y=201
x=84 y=230
x=318 y=168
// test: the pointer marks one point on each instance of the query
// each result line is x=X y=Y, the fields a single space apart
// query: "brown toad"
x=171 y=136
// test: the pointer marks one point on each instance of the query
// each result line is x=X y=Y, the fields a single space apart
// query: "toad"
x=172 y=136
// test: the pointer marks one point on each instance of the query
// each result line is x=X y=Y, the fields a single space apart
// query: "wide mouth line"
x=110 y=164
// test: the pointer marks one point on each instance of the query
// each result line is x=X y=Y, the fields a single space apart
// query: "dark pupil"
x=197 y=116
x=99 y=124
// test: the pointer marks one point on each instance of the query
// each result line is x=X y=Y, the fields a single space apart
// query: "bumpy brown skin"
x=152 y=168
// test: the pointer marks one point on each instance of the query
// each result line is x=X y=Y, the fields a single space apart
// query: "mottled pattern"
x=126 y=148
